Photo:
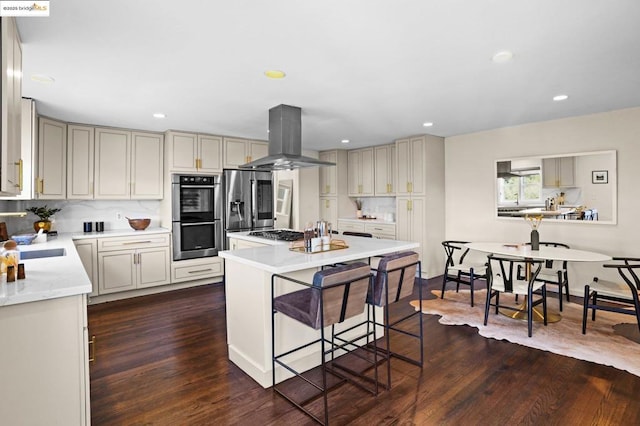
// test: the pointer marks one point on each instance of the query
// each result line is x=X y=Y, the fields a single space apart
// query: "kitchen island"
x=248 y=274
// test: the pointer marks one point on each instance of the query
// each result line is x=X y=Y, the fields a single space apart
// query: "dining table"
x=524 y=251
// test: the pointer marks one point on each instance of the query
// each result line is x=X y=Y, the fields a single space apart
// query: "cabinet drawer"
x=202 y=269
x=137 y=242
x=378 y=230
x=344 y=225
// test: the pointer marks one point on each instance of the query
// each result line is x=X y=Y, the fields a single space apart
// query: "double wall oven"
x=196 y=216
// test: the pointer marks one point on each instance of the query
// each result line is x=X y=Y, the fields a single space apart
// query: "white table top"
x=546 y=253
x=279 y=259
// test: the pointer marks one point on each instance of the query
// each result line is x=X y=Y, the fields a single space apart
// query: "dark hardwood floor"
x=162 y=360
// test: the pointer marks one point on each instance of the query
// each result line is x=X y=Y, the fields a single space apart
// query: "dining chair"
x=555 y=272
x=334 y=296
x=620 y=297
x=459 y=269
x=516 y=276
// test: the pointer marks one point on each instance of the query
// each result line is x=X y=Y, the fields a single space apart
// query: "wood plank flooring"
x=162 y=360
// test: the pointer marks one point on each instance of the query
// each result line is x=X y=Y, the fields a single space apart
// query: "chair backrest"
x=358 y=234
x=505 y=273
x=339 y=293
x=396 y=274
x=628 y=268
x=554 y=264
x=455 y=251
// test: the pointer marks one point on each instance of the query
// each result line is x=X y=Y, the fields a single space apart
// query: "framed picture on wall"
x=600 y=176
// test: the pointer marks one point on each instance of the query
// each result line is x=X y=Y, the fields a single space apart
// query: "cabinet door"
x=80 y=154
x=116 y=271
x=113 y=164
x=153 y=267
x=384 y=170
x=182 y=151
x=353 y=173
x=11 y=109
x=403 y=161
x=566 y=171
x=234 y=153
x=328 y=175
x=52 y=160
x=147 y=156
x=87 y=250
x=257 y=150
x=329 y=210
x=210 y=154
x=417 y=166
x=366 y=171
x=410 y=217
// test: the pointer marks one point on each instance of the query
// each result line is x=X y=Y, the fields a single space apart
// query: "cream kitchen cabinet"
x=45 y=363
x=80 y=157
x=139 y=156
x=559 y=172
x=197 y=269
x=410 y=166
x=410 y=221
x=386 y=231
x=237 y=152
x=385 y=170
x=11 y=109
x=360 y=171
x=350 y=225
x=329 y=210
x=129 y=263
x=191 y=152
x=237 y=244
x=51 y=181
x=329 y=174
x=88 y=251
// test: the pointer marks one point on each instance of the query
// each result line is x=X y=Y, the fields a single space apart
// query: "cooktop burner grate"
x=279 y=234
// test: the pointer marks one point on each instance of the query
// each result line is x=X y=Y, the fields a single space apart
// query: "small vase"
x=535 y=240
x=45 y=225
x=358 y=214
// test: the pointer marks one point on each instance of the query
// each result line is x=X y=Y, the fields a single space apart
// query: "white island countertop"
x=276 y=257
x=58 y=276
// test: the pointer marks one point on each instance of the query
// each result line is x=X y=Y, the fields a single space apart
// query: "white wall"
x=470 y=183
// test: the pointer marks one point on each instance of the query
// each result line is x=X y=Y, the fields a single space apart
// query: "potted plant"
x=44 y=213
x=358 y=208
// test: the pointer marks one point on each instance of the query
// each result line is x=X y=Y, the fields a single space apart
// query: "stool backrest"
x=341 y=292
x=397 y=275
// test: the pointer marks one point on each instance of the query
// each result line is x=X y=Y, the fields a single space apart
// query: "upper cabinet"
x=241 y=151
x=385 y=170
x=410 y=173
x=191 y=152
x=80 y=154
x=11 y=111
x=51 y=180
x=559 y=172
x=360 y=172
x=128 y=165
x=329 y=174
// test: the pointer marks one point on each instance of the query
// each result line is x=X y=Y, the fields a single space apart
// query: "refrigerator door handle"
x=254 y=202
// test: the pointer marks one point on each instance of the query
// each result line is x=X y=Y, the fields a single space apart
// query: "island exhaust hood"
x=285 y=142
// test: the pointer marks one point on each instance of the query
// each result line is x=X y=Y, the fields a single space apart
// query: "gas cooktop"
x=278 y=234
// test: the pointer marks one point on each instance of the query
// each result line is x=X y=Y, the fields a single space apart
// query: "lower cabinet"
x=235 y=244
x=386 y=231
x=44 y=379
x=129 y=263
x=88 y=252
x=196 y=269
x=410 y=222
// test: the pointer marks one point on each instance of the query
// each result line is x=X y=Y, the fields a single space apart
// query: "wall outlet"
x=118 y=215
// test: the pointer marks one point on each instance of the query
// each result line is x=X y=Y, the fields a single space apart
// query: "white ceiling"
x=365 y=70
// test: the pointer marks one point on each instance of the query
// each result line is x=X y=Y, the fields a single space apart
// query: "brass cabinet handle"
x=327 y=204
x=327 y=189
x=136 y=242
x=40 y=186
x=19 y=164
x=199 y=271
x=409 y=205
x=92 y=349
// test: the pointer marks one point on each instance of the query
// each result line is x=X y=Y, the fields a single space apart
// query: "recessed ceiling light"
x=427 y=124
x=560 y=97
x=41 y=78
x=159 y=115
x=345 y=141
x=502 y=57
x=275 y=74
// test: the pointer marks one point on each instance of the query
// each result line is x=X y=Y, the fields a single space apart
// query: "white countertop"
x=543 y=212
x=377 y=220
x=277 y=258
x=60 y=276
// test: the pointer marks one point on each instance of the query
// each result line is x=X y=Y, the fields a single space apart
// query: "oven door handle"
x=197 y=223
x=197 y=186
x=254 y=202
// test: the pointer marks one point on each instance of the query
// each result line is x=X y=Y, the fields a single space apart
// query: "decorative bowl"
x=24 y=239
x=139 y=224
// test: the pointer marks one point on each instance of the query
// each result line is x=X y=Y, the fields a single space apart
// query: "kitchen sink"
x=38 y=254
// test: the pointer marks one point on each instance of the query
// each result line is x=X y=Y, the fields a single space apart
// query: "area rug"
x=601 y=344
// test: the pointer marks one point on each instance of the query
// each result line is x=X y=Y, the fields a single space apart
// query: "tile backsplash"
x=75 y=212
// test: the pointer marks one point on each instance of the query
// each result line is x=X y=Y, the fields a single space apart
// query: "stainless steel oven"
x=196 y=216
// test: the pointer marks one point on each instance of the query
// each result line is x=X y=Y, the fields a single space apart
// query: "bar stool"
x=335 y=295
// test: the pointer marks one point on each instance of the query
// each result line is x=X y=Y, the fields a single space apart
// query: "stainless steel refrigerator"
x=248 y=201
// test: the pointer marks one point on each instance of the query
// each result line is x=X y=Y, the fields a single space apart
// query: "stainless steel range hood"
x=504 y=169
x=285 y=142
